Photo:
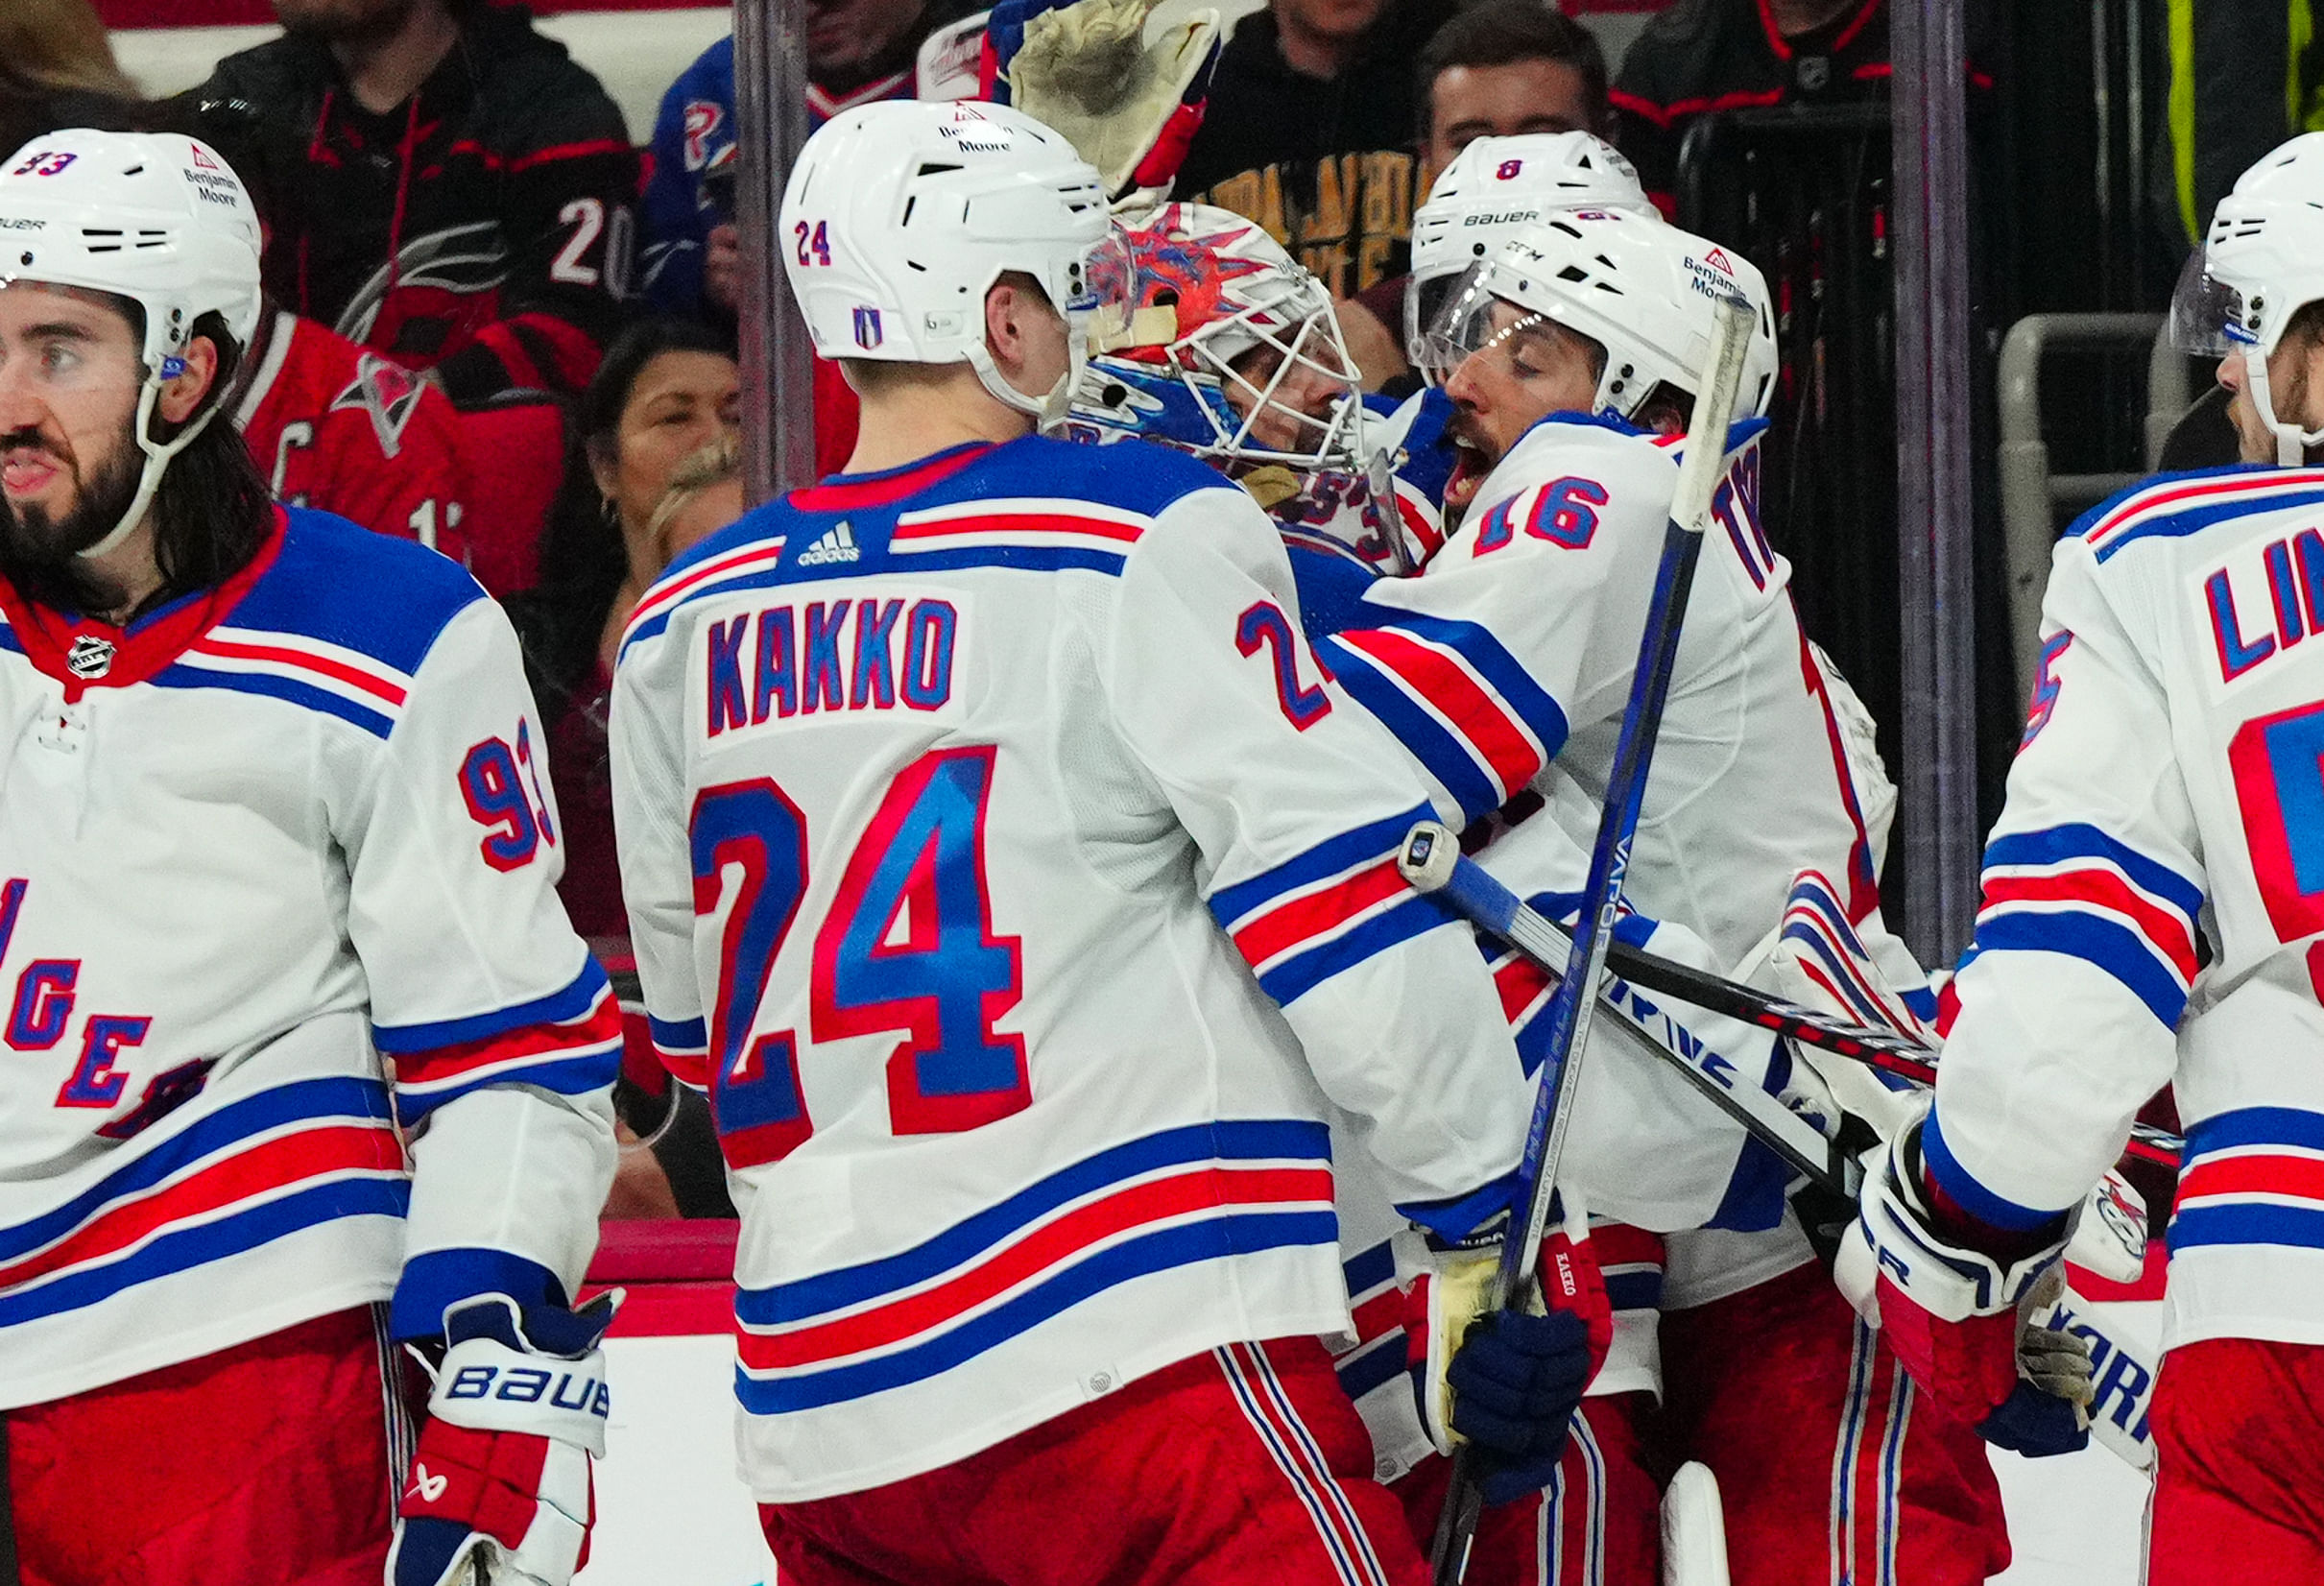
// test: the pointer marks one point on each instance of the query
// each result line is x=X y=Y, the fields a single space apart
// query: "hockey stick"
x=1471 y=891
x=1431 y=862
x=1571 y=1006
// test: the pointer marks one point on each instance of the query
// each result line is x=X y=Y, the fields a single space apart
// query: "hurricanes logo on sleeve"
x=387 y=394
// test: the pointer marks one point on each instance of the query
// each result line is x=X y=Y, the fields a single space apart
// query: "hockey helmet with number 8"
x=2261 y=263
x=1495 y=185
x=1219 y=344
x=153 y=217
x=899 y=218
x=1644 y=291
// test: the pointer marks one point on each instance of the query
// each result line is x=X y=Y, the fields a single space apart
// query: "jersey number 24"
x=907 y=946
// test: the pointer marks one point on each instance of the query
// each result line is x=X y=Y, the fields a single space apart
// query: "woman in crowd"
x=652 y=469
x=666 y=390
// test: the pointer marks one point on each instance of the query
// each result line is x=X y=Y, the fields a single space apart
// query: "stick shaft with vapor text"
x=1569 y=1006
x=1471 y=892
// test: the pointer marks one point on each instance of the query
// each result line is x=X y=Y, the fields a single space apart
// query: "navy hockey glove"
x=1517 y=1381
x=501 y=1478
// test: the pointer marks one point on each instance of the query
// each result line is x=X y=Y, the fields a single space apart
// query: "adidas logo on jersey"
x=838 y=545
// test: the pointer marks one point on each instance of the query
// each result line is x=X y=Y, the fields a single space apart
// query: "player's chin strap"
x=1050 y=408
x=2291 y=441
x=158 y=453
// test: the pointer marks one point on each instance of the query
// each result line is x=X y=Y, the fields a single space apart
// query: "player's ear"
x=181 y=393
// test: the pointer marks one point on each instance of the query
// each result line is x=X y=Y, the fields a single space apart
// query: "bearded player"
x=305 y=1062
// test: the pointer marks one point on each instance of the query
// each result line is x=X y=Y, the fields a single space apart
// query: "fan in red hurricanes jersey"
x=344 y=431
x=305 y=1060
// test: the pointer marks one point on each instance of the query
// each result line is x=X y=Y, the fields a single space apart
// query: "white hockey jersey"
x=272 y=832
x=992 y=845
x=1506 y=666
x=2154 y=903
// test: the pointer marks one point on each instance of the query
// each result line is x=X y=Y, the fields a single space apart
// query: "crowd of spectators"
x=498 y=326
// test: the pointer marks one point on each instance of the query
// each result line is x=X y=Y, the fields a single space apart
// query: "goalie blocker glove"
x=1953 y=1312
x=501 y=1478
x=1508 y=1380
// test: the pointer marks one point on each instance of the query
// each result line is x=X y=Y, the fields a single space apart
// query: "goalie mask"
x=1645 y=293
x=153 y=218
x=1219 y=345
x=1494 y=187
x=2261 y=262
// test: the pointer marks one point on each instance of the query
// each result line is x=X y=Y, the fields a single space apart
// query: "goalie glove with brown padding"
x=1128 y=105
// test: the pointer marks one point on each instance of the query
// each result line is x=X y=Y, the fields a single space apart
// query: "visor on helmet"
x=1473 y=319
x=2209 y=318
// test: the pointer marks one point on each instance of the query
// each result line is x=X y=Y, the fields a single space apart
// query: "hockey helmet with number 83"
x=153 y=217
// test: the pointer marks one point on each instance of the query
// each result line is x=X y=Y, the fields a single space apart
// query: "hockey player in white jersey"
x=1570 y=357
x=304 y=1059
x=996 y=855
x=1208 y=282
x=2151 y=916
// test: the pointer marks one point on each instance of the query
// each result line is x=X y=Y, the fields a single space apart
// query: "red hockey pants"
x=265 y=1464
x=2238 y=1432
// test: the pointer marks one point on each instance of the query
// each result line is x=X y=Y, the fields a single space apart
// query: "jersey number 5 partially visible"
x=907 y=945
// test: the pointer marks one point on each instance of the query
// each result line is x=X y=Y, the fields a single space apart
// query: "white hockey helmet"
x=1170 y=359
x=2261 y=262
x=153 y=217
x=899 y=216
x=1641 y=290
x=1493 y=186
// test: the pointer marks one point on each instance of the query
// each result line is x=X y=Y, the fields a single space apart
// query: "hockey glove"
x=501 y=1479
x=1509 y=1381
x=1953 y=1314
x=1085 y=67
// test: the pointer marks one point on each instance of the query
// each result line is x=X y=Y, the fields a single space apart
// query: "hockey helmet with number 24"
x=1495 y=185
x=153 y=217
x=899 y=216
x=2261 y=262
x=1644 y=291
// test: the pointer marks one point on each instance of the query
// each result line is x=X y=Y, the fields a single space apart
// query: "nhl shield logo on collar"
x=89 y=657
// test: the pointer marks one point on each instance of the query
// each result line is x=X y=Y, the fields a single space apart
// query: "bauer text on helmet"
x=1592 y=311
x=2246 y=299
x=899 y=217
x=155 y=229
x=1493 y=187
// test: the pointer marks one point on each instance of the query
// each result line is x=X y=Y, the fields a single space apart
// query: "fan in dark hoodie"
x=444 y=185
x=1309 y=131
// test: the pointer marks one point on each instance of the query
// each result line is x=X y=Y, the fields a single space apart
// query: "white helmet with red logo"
x=1496 y=186
x=153 y=217
x=1644 y=291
